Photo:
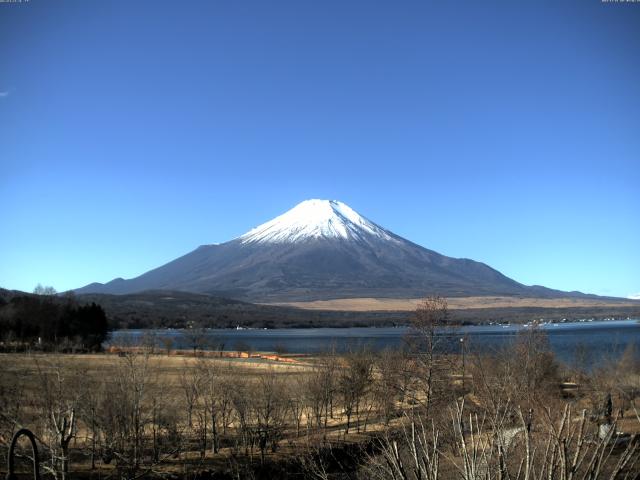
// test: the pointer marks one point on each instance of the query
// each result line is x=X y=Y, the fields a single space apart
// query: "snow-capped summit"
x=313 y=219
x=321 y=250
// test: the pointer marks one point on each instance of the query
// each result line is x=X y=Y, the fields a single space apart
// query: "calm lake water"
x=590 y=341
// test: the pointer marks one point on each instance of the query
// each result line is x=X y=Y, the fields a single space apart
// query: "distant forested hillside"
x=170 y=309
x=163 y=309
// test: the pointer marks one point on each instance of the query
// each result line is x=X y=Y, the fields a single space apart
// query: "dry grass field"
x=456 y=303
x=178 y=395
x=156 y=414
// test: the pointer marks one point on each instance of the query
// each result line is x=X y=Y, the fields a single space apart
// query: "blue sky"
x=134 y=131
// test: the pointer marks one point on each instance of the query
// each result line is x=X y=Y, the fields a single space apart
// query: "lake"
x=591 y=340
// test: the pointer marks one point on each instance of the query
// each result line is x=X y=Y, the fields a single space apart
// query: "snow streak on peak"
x=314 y=219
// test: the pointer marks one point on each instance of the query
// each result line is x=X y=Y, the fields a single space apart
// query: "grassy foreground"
x=361 y=415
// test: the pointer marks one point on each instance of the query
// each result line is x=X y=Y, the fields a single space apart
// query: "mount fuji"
x=320 y=250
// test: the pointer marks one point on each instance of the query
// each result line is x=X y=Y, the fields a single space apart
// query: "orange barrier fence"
x=291 y=358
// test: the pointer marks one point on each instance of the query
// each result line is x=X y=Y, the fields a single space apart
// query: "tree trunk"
x=214 y=433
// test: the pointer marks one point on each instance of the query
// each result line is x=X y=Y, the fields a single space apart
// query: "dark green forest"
x=51 y=322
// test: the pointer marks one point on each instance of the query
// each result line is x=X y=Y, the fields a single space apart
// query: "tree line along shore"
x=82 y=322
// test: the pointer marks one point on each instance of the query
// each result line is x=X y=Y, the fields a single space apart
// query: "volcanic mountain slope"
x=319 y=250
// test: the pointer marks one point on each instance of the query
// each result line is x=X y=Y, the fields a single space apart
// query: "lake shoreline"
x=598 y=338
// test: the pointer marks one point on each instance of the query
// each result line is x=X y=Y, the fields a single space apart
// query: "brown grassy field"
x=456 y=303
x=35 y=382
x=343 y=402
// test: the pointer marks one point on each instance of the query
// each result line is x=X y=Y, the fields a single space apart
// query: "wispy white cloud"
x=634 y=296
x=4 y=94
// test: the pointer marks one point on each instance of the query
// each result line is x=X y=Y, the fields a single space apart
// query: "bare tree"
x=295 y=392
x=241 y=400
x=12 y=406
x=391 y=383
x=541 y=449
x=535 y=368
x=59 y=405
x=412 y=454
x=211 y=397
x=270 y=409
x=430 y=314
x=167 y=343
x=48 y=290
x=320 y=389
x=355 y=378
x=196 y=338
x=89 y=392
x=190 y=387
x=126 y=414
